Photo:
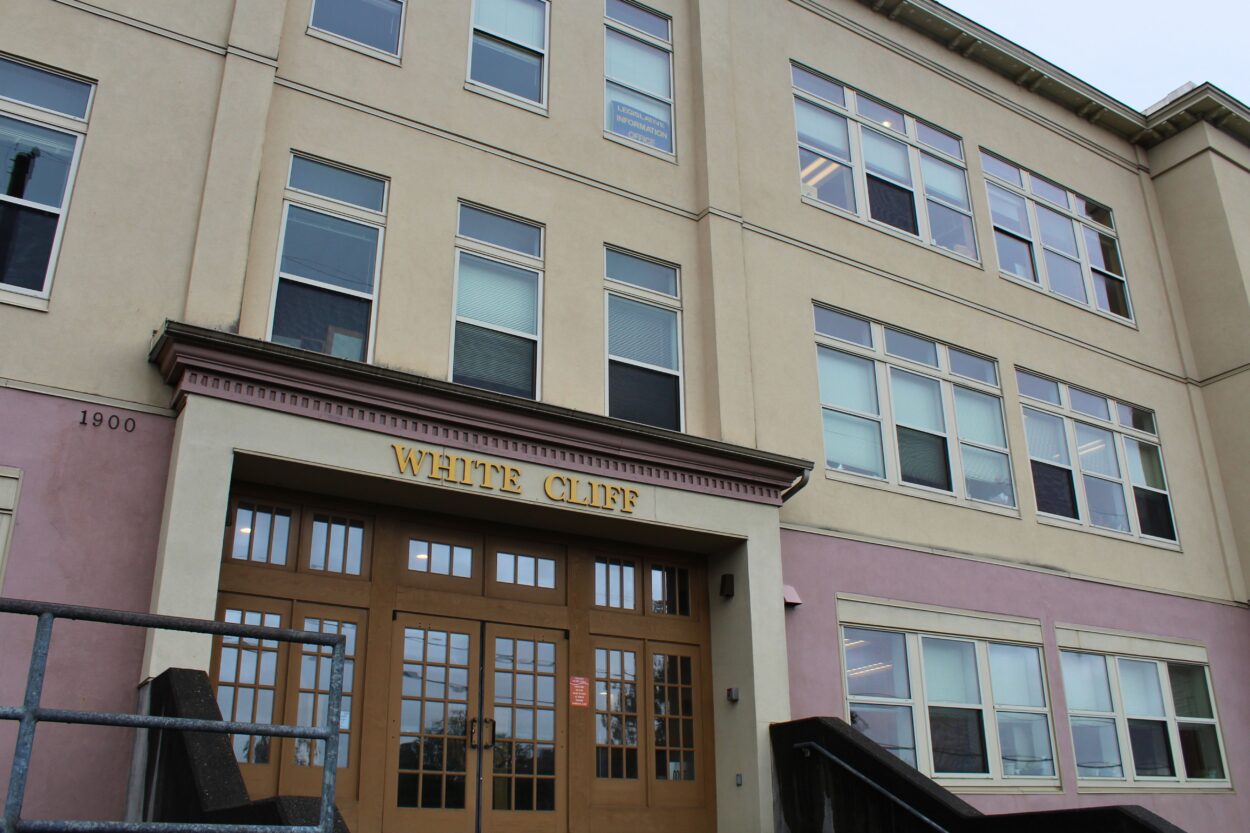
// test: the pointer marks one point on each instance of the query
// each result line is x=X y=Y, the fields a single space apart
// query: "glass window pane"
x=987 y=475
x=980 y=418
x=1094 y=211
x=958 y=740
x=336 y=183
x=973 y=367
x=853 y=444
x=1016 y=675
x=939 y=140
x=1057 y=231
x=1003 y=170
x=26 y=238
x=1152 y=748
x=1190 y=694
x=35 y=161
x=822 y=129
x=329 y=249
x=374 y=23
x=950 y=671
x=842 y=326
x=1049 y=191
x=888 y=726
x=1138 y=418
x=1015 y=257
x=826 y=180
x=817 y=86
x=917 y=401
x=1140 y=689
x=1089 y=403
x=1009 y=211
x=1097 y=748
x=1154 y=514
x=882 y=115
x=912 y=347
x=1037 y=387
x=1085 y=681
x=319 y=319
x=1145 y=466
x=523 y=21
x=922 y=459
x=642 y=332
x=887 y=157
x=1200 y=750
x=641 y=395
x=876 y=663
x=496 y=293
x=494 y=360
x=1106 y=504
x=1103 y=252
x=637 y=117
x=641 y=272
x=1056 y=494
x=507 y=67
x=944 y=181
x=847 y=381
x=637 y=64
x=48 y=90
x=1096 y=449
x=1025 y=743
x=1112 y=295
x=641 y=19
x=498 y=230
x=951 y=230
x=1065 y=277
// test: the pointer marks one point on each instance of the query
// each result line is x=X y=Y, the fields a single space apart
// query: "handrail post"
x=26 y=727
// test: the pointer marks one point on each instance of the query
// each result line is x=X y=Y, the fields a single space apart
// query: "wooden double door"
x=497 y=679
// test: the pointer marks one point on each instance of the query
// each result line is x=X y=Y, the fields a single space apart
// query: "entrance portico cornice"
x=196 y=361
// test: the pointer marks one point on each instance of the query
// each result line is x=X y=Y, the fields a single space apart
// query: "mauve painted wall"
x=821 y=566
x=85 y=532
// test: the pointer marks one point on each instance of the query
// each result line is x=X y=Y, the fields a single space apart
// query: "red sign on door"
x=579 y=691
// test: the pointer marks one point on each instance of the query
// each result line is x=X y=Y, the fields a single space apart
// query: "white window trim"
x=920 y=704
x=915 y=149
x=8 y=514
x=1118 y=713
x=1037 y=246
x=612 y=24
x=496 y=92
x=360 y=46
x=1070 y=417
x=509 y=257
x=62 y=123
x=948 y=381
x=294 y=197
x=672 y=303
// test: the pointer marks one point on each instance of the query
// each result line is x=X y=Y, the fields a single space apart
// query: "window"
x=670 y=591
x=525 y=570
x=1051 y=237
x=616 y=714
x=330 y=259
x=377 y=24
x=1095 y=460
x=509 y=49
x=10 y=481
x=644 y=340
x=248 y=682
x=262 y=534
x=638 y=75
x=1136 y=719
x=674 y=724
x=498 y=281
x=434 y=717
x=440 y=559
x=42 y=119
x=879 y=163
x=313 y=691
x=894 y=404
x=337 y=546
x=951 y=707
x=614 y=583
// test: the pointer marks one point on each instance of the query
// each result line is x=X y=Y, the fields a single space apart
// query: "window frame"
x=611 y=24
x=338 y=209
x=885 y=364
x=360 y=46
x=1038 y=246
x=916 y=150
x=1071 y=417
x=650 y=297
x=919 y=704
x=509 y=257
x=496 y=92
x=61 y=122
x=8 y=513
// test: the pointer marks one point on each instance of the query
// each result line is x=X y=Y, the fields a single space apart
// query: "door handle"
x=473 y=733
x=491 y=743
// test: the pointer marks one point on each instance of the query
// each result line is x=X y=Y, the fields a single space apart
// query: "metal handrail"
x=812 y=746
x=30 y=713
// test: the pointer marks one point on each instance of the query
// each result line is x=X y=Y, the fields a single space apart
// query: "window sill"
x=506 y=98
x=17 y=299
x=968 y=787
x=355 y=46
x=1076 y=526
x=1036 y=287
x=1158 y=788
x=664 y=155
x=892 y=232
x=922 y=493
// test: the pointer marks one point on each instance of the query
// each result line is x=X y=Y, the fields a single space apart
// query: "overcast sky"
x=1134 y=50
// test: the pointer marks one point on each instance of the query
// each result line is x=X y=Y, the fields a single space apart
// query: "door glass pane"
x=434 y=719
x=950 y=671
x=329 y=249
x=1085 y=681
x=1139 y=688
x=496 y=293
x=642 y=332
x=889 y=726
x=1016 y=674
x=853 y=444
x=673 y=723
x=876 y=663
x=616 y=714
x=847 y=381
x=1097 y=748
x=958 y=740
x=1025 y=742
x=314 y=690
x=247 y=682
x=523 y=763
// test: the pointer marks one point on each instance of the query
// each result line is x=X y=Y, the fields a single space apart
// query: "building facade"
x=408 y=322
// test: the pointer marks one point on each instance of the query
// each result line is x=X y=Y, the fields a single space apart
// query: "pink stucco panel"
x=85 y=532
x=823 y=566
